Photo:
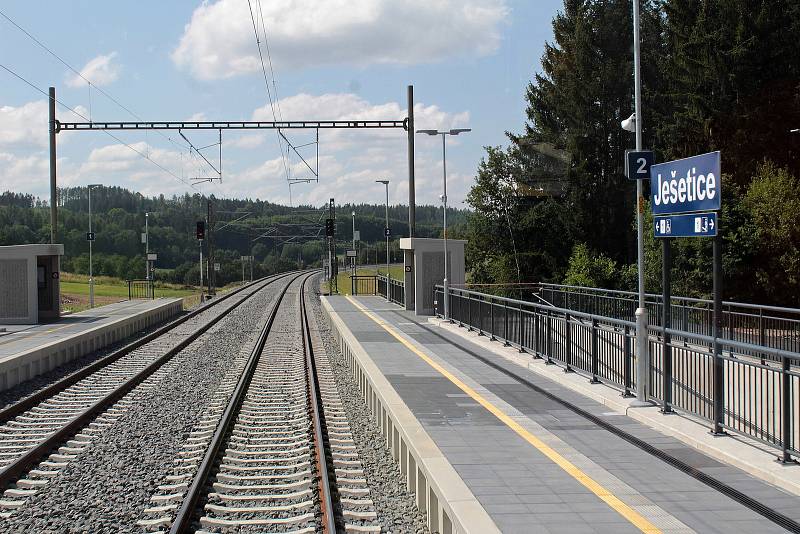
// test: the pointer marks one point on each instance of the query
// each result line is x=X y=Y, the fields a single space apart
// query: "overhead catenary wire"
x=79 y=114
x=269 y=92
x=269 y=60
x=80 y=75
x=101 y=91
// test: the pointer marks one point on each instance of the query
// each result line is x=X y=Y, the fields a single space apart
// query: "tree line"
x=279 y=237
x=554 y=204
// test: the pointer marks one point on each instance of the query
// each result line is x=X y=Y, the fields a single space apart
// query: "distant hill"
x=118 y=220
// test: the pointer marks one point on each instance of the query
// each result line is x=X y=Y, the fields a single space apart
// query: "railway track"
x=273 y=452
x=41 y=434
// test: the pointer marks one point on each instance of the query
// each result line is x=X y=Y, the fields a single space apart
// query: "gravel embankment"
x=393 y=503
x=109 y=485
x=37 y=383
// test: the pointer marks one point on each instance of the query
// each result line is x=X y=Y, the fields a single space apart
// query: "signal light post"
x=387 y=233
x=200 y=233
x=90 y=238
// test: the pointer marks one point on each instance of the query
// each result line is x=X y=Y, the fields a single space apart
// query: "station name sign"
x=686 y=185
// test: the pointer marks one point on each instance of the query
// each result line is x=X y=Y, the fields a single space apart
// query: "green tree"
x=772 y=202
x=590 y=269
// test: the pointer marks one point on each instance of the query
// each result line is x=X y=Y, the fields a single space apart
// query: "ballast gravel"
x=395 y=506
x=107 y=488
x=37 y=383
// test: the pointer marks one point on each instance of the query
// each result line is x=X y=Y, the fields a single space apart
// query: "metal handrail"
x=744 y=387
x=397 y=289
x=658 y=298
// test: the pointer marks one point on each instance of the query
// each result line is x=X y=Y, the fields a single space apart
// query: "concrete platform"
x=485 y=446
x=29 y=350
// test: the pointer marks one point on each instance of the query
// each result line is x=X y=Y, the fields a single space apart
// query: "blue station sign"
x=686 y=185
x=686 y=225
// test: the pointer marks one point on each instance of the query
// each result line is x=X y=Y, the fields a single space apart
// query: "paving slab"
x=534 y=464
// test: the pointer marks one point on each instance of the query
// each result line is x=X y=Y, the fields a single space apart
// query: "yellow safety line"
x=592 y=485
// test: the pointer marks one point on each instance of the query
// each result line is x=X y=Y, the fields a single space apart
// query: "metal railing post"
x=568 y=355
x=761 y=331
x=595 y=355
x=505 y=325
x=480 y=315
x=786 y=413
x=718 y=362
x=549 y=340
x=626 y=364
x=491 y=319
x=666 y=372
x=469 y=313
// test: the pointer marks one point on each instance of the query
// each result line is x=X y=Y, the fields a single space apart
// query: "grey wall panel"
x=13 y=289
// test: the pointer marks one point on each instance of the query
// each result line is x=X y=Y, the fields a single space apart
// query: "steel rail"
x=33 y=456
x=326 y=494
x=18 y=408
x=186 y=512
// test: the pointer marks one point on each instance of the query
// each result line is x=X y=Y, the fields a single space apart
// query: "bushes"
x=591 y=269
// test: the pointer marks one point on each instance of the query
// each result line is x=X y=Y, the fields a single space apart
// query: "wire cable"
x=80 y=75
x=101 y=91
x=65 y=106
x=269 y=93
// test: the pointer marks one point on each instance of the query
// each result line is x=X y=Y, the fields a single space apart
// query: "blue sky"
x=469 y=61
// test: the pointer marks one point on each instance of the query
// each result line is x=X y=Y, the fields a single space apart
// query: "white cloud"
x=25 y=174
x=99 y=71
x=26 y=126
x=245 y=141
x=349 y=106
x=351 y=160
x=120 y=165
x=218 y=42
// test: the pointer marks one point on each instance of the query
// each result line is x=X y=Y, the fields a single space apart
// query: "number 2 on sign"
x=642 y=165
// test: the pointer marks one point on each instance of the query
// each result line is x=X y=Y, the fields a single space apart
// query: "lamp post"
x=353 y=265
x=91 y=239
x=444 y=134
x=386 y=233
x=634 y=124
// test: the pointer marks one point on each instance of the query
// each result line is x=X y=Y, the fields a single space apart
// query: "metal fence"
x=740 y=387
x=141 y=289
x=397 y=290
x=363 y=284
x=766 y=326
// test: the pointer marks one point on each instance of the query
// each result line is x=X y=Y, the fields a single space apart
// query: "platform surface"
x=20 y=338
x=534 y=464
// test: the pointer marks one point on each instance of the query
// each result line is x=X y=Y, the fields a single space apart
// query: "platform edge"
x=449 y=505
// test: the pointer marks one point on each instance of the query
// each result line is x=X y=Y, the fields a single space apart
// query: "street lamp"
x=386 y=233
x=354 y=243
x=90 y=237
x=445 y=133
x=634 y=124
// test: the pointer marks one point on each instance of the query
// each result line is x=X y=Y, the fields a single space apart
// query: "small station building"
x=29 y=283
